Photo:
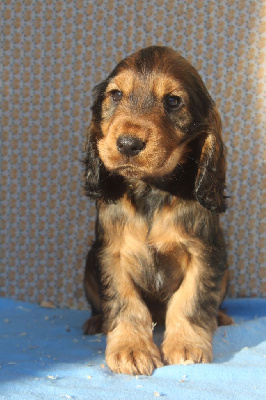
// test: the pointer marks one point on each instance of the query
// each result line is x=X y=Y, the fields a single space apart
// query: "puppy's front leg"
x=192 y=315
x=127 y=321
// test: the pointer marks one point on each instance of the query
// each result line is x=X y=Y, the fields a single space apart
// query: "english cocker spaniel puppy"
x=155 y=163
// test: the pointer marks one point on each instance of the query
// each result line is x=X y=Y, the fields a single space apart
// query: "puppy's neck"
x=180 y=183
x=147 y=197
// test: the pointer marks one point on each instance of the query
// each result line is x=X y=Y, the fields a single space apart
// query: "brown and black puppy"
x=155 y=163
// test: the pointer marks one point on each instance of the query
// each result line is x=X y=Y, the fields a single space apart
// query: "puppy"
x=155 y=163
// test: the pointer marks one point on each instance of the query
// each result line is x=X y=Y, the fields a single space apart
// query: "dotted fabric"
x=53 y=53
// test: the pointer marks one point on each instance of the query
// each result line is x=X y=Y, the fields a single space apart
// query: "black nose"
x=129 y=145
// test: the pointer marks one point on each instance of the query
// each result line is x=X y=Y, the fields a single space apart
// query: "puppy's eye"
x=116 y=95
x=172 y=102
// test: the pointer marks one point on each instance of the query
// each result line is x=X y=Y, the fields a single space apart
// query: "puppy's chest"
x=152 y=252
x=162 y=274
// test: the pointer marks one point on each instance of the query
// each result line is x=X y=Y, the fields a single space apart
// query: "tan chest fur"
x=154 y=254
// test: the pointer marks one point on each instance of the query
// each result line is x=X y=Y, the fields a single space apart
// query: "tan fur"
x=184 y=341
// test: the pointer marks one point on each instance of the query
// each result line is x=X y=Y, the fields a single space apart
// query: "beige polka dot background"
x=53 y=53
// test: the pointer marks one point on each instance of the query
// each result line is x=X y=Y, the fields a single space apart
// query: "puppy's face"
x=153 y=105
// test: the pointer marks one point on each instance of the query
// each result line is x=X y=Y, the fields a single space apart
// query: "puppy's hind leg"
x=92 y=290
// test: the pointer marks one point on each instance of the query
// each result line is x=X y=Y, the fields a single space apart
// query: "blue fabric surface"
x=43 y=355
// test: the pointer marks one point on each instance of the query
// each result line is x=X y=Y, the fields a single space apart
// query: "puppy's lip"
x=129 y=170
x=127 y=167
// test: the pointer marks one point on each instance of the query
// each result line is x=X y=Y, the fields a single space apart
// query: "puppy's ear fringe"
x=91 y=162
x=210 y=180
x=99 y=182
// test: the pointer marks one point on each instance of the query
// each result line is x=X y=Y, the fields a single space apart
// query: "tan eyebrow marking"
x=124 y=81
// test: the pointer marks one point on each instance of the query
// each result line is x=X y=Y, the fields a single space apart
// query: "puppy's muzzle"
x=129 y=146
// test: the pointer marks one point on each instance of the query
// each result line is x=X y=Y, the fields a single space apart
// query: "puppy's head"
x=152 y=114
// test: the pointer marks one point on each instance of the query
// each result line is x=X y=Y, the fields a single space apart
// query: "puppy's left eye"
x=116 y=95
x=172 y=102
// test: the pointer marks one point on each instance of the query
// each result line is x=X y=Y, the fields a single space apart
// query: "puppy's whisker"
x=191 y=158
x=180 y=166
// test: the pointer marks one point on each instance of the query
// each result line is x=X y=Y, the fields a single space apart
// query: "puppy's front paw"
x=178 y=352
x=133 y=359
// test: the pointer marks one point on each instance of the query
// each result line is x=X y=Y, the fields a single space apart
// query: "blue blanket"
x=43 y=355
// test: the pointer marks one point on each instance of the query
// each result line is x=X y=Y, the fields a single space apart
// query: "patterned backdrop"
x=53 y=53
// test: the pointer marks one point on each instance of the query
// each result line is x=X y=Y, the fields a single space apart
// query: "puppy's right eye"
x=173 y=102
x=116 y=95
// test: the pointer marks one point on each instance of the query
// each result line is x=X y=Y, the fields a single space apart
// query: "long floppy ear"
x=94 y=172
x=210 y=180
x=99 y=182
